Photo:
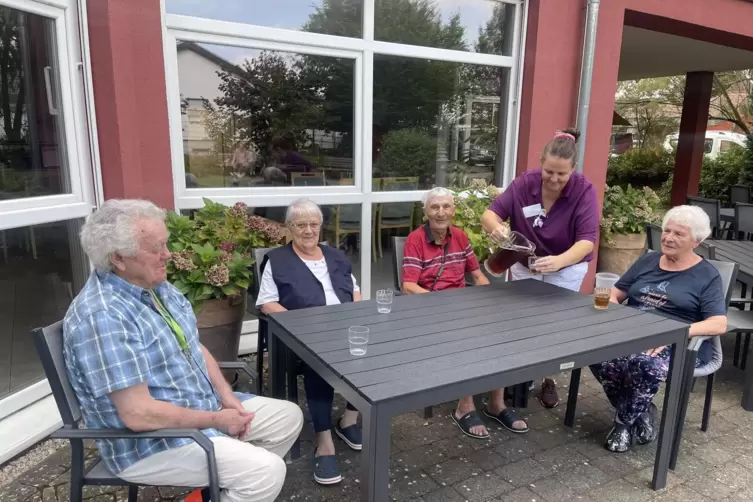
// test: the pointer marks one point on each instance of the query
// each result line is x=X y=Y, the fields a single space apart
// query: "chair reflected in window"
x=307 y=179
x=344 y=220
x=395 y=215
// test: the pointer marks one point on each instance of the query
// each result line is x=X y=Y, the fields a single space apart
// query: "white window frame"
x=71 y=42
x=362 y=50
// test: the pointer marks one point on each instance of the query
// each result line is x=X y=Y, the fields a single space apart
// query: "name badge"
x=531 y=211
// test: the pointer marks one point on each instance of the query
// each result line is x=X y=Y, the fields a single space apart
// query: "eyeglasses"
x=303 y=226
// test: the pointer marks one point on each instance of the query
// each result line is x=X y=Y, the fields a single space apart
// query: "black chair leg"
x=707 y=403
x=133 y=493
x=261 y=346
x=520 y=395
x=744 y=355
x=76 y=488
x=292 y=384
x=428 y=412
x=692 y=386
x=685 y=384
x=736 y=356
x=572 y=397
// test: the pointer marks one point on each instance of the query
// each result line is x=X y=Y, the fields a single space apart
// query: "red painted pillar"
x=130 y=98
x=695 y=115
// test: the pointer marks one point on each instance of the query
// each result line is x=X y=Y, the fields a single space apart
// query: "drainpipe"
x=586 y=78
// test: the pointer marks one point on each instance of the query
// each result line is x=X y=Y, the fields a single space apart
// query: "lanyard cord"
x=168 y=318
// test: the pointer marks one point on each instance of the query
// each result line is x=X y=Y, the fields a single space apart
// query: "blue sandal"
x=326 y=471
x=506 y=419
x=468 y=421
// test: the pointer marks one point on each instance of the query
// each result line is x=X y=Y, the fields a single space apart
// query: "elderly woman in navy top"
x=556 y=209
x=306 y=274
x=680 y=285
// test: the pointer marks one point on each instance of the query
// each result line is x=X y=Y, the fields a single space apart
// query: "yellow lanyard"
x=168 y=318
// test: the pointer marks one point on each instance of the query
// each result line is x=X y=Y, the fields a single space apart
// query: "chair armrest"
x=239 y=365
x=741 y=300
x=195 y=434
x=696 y=341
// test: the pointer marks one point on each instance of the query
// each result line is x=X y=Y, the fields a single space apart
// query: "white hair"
x=692 y=217
x=112 y=229
x=436 y=193
x=302 y=207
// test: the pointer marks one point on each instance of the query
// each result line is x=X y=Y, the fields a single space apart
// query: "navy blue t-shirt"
x=691 y=295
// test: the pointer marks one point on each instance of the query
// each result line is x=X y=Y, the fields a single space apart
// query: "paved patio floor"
x=433 y=462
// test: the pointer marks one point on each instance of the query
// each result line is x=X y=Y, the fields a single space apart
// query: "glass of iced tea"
x=603 y=291
x=532 y=267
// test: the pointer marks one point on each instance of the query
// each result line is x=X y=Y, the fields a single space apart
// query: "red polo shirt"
x=423 y=259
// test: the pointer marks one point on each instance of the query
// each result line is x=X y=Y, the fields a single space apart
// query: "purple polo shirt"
x=573 y=217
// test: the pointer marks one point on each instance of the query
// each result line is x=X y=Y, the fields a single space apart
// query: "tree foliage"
x=11 y=77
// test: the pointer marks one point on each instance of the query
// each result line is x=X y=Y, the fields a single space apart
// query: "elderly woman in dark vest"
x=306 y=274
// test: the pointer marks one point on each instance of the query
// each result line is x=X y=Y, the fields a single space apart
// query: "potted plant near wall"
x=211 y=265
x=470 y=204
x=625 y=215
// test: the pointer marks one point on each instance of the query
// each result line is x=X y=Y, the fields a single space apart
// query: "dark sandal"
x=467 y=421
x=506 y=419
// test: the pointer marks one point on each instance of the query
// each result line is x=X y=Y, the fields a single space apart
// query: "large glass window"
x=41 y=269
x=339 y=17
x=391 y=220
x=255 y=118
x=32 y=158
x=435 y=122
x=465 y=25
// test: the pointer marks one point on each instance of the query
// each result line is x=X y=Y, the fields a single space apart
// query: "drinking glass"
x=358 y=337
x=384 y=301
x=532 y=267
x=603 y=291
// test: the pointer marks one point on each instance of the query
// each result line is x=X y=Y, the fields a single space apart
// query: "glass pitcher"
x=505 y=254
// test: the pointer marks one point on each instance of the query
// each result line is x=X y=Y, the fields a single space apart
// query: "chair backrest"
x=398 y=210
x=259 y=254
x=712 y=207
x=398 y=246
x=744 y=217
x=653 y=237
x=49 y=344
x=307 y=179
x=706 y=250
x=728 y=273
x=739 y=193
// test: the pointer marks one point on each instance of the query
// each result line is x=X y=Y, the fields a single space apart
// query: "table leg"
x=572 y=397
x=276 y=361
x=669 y=415
x=685 y=389
x=747 y=401
x=375 y=458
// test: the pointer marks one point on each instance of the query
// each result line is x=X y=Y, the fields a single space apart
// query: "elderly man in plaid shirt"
x=134 y=360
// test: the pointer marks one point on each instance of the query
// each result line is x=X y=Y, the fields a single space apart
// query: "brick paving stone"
x=517 y=448
x=483 y=487
x=560 y=459
x=681 y=494
x=710 y=487
x=16 y=492
x=412 y=484
x=519 y=495
x=523 y=473
x=734 y=476
x=585 y=477
x=713 y=453
x=621 y=491
x=446 y=494
x=488 y=459
x=552 y=489
x=643 y=478
x=453 y=471
x=741 y=496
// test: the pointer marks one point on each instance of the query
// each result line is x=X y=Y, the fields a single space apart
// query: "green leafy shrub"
x=641 y=167
x=747 y=170
x=470 y=204
x=211 y=252
x=409 y=152
x=628 y=210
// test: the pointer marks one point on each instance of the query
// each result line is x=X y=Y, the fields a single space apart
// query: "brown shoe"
x=548 y=396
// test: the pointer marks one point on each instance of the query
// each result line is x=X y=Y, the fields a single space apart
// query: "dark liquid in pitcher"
x=503 y=259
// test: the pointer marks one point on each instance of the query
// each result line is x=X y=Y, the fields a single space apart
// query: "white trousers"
x=251 y=470
x=569 y=277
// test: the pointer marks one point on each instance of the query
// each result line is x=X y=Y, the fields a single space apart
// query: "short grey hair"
x=302 y=207
x=436 y=193
x=111 y=229
x=692 y=217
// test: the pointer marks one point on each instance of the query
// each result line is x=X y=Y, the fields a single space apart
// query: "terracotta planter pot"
x=622 y=253
x=220 y=323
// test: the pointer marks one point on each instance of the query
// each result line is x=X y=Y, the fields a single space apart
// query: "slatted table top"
x=740 y=252
x=432 y=340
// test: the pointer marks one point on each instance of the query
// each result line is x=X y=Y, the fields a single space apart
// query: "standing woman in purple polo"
x=555 y=208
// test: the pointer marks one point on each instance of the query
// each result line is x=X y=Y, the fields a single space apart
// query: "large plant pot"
x=618 y=256
x=220 y=323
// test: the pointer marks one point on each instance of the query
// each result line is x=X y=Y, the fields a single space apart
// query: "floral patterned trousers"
x=631 y=382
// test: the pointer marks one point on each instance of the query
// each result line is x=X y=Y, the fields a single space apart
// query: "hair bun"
x=572 y=131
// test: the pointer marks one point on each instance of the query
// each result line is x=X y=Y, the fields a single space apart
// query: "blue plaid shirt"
x=114 y=339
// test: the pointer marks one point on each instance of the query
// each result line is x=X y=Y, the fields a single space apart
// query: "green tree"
x=644 y=103
x=12 y=89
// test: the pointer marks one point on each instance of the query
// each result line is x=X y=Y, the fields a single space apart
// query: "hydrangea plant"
x=629 y=210
x=470 y=204
x=211 y=252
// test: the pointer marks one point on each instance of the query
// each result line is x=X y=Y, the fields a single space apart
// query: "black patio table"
x=436 y=347
x=740 y=252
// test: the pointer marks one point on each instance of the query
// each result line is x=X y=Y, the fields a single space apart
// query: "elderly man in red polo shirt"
x=437 y=257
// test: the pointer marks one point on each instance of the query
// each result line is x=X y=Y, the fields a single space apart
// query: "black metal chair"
x=261 y=336
x=739 y=193
x=744 y=220
x=49 y=345
x=713 y=208
x=653 y=237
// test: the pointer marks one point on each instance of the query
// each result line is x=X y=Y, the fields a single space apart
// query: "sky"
x=292 y=14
